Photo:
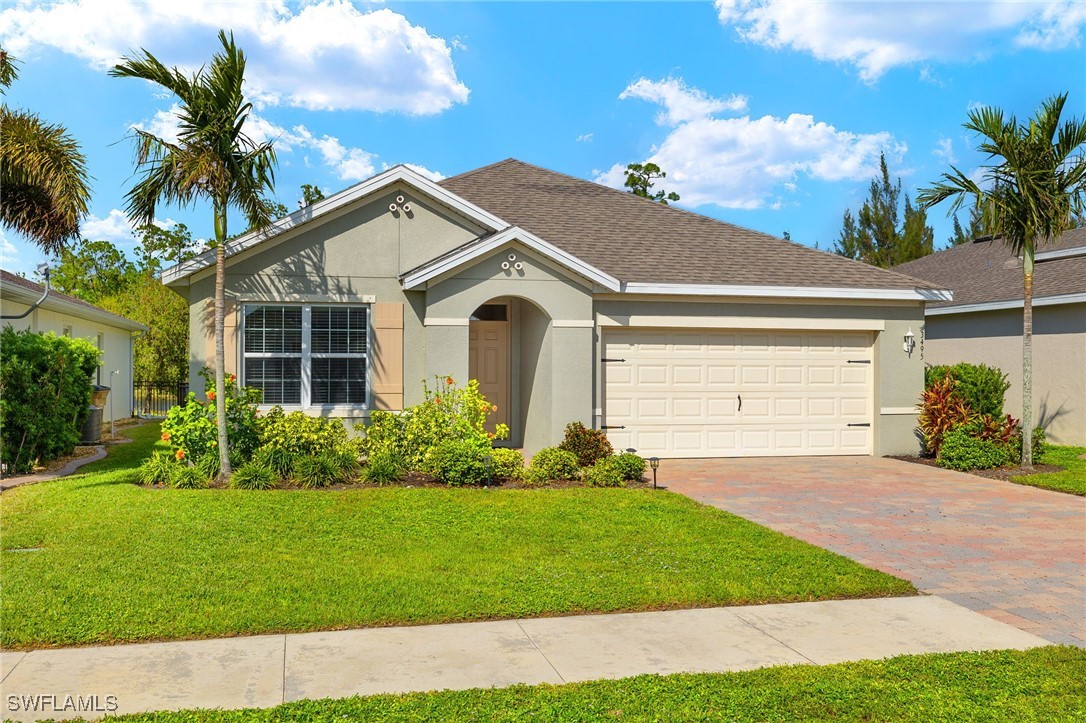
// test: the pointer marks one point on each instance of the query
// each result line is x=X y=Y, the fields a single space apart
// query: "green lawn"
x=1073 y=477
x=119 y=562
x=1044 y=684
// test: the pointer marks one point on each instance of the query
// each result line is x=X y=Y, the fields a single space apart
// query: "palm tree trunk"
x=220 y=340
x=1027 y=358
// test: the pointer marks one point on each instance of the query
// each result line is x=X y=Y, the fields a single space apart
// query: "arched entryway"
x=509 y=353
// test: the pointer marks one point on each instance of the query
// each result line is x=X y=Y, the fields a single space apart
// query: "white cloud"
x=9 y=254
x=585 y=138
x=424 y=171
x=163 y=124
x=680 y=102
x=877 y=36
x=743 y=162
x=324 y=55
x=115 y=227
x=945 y=150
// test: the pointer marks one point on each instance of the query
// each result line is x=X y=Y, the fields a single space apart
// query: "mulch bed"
x=1000 y=473
x=418 y=479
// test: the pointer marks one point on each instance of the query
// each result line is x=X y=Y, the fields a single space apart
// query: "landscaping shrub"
x=277 y=460
x=190 y=428
x=382 y=468
x=299 y=434
x=45 y=388
x=589 y=445
x=459 y=462
x=940 y=411
x=552 y=463
x=605 y=473
x=346 y=463
x=508 y=464
x=981 y=387
x=961 y=450
x=187 y=477
x=1038 y=443
x=319 y=470
x=254 y=476
x=447 y=412
x=630 y=466
x=158 y=469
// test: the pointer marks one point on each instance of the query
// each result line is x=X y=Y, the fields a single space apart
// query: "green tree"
x=92 y=270
x=42 y=172
x=162 y=352
x=213 y=160
x=975 y=230
x=641 y=177
x=881 y=234
x=310 y=195
x=1033 y=185
x=161 y=247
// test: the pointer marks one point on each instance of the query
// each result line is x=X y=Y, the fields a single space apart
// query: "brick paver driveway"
x=1014 y=553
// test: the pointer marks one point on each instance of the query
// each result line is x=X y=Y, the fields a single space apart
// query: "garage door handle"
x=861 y=424
x=740 y=398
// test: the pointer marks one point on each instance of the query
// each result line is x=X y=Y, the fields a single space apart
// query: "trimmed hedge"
x=981 y=387
x=45 y=389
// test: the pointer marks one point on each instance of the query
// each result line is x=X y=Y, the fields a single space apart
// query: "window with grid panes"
x=306 y=355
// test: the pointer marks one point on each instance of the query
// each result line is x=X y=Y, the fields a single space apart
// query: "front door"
x=488 y=361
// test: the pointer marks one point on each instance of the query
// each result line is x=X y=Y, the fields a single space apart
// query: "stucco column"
x=572 y=378
x=446 y=353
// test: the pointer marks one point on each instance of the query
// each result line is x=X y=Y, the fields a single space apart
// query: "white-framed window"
x=307 y=355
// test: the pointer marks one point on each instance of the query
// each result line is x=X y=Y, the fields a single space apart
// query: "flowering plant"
x=190 y=428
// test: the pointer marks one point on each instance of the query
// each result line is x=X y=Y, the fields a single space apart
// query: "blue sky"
x=766 y=114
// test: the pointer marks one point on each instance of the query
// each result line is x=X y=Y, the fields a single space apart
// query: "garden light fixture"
x=654 y=462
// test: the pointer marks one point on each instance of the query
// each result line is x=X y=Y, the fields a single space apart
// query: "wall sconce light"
x=910 y=342
x=654 y=462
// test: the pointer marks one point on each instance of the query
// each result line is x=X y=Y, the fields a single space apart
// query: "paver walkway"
x=1014 y=553
x=264 y=671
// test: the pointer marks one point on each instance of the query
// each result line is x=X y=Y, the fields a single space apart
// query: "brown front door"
x=488 y=361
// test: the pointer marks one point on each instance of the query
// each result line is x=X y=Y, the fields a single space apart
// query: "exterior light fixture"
x=910 y=342
x=654 y=462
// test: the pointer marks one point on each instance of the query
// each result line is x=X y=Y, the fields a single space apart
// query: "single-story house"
x=678 y=334
x=66 y=315
x=983 y=323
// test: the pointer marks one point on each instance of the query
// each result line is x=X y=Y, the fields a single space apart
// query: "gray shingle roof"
x=637 y=240
x=987 y=271
x=6 y=277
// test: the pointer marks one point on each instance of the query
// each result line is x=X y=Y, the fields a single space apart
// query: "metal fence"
x=154 y=399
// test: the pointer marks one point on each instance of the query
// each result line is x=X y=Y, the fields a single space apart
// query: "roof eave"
x=54 y=303
x=791 y=292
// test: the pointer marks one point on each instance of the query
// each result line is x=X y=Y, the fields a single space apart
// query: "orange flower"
x=437 y=400
x=494 y=408
x=449 y=381
x=211 y=395
x=490 y=434
x=165 y=436
x=180 y=454
x=233 y=377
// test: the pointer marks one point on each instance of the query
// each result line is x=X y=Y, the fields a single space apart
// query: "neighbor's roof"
x=25 y=291
x=638 y=240
x=984 y=272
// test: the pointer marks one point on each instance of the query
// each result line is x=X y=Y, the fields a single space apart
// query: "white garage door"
x=738 y=393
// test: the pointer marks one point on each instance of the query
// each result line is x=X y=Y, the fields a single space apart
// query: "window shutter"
x=386 y=356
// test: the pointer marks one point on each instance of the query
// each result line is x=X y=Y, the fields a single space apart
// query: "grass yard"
x=1043 y=684
x=94 y=558
x=1073 y=477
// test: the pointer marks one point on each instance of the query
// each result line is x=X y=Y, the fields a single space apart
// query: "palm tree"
x=42 y=173
x=213 y=159
x=1033 y=186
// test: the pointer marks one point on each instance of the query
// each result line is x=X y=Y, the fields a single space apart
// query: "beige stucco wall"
x=116 y=348
x=1059 y=360
x=899 y=377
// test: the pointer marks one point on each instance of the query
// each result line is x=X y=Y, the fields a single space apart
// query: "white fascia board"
x=794 y=292
x=1008 y=304
x=1061 y=254
x=339 y=200
x=514 y=233
x=56 y=304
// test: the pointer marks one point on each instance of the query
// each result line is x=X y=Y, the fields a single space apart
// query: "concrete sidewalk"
x=264 y=671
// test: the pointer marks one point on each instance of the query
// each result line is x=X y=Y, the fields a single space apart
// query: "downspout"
x=45 y=271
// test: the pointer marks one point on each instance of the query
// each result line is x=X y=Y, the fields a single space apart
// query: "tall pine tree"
x=883 y=234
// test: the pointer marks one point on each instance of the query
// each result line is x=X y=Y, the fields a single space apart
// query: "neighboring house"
x=983 y=324
x=68 y=316
x=680 y=335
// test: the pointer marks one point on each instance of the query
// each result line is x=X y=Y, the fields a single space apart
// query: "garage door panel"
x=676 y=392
